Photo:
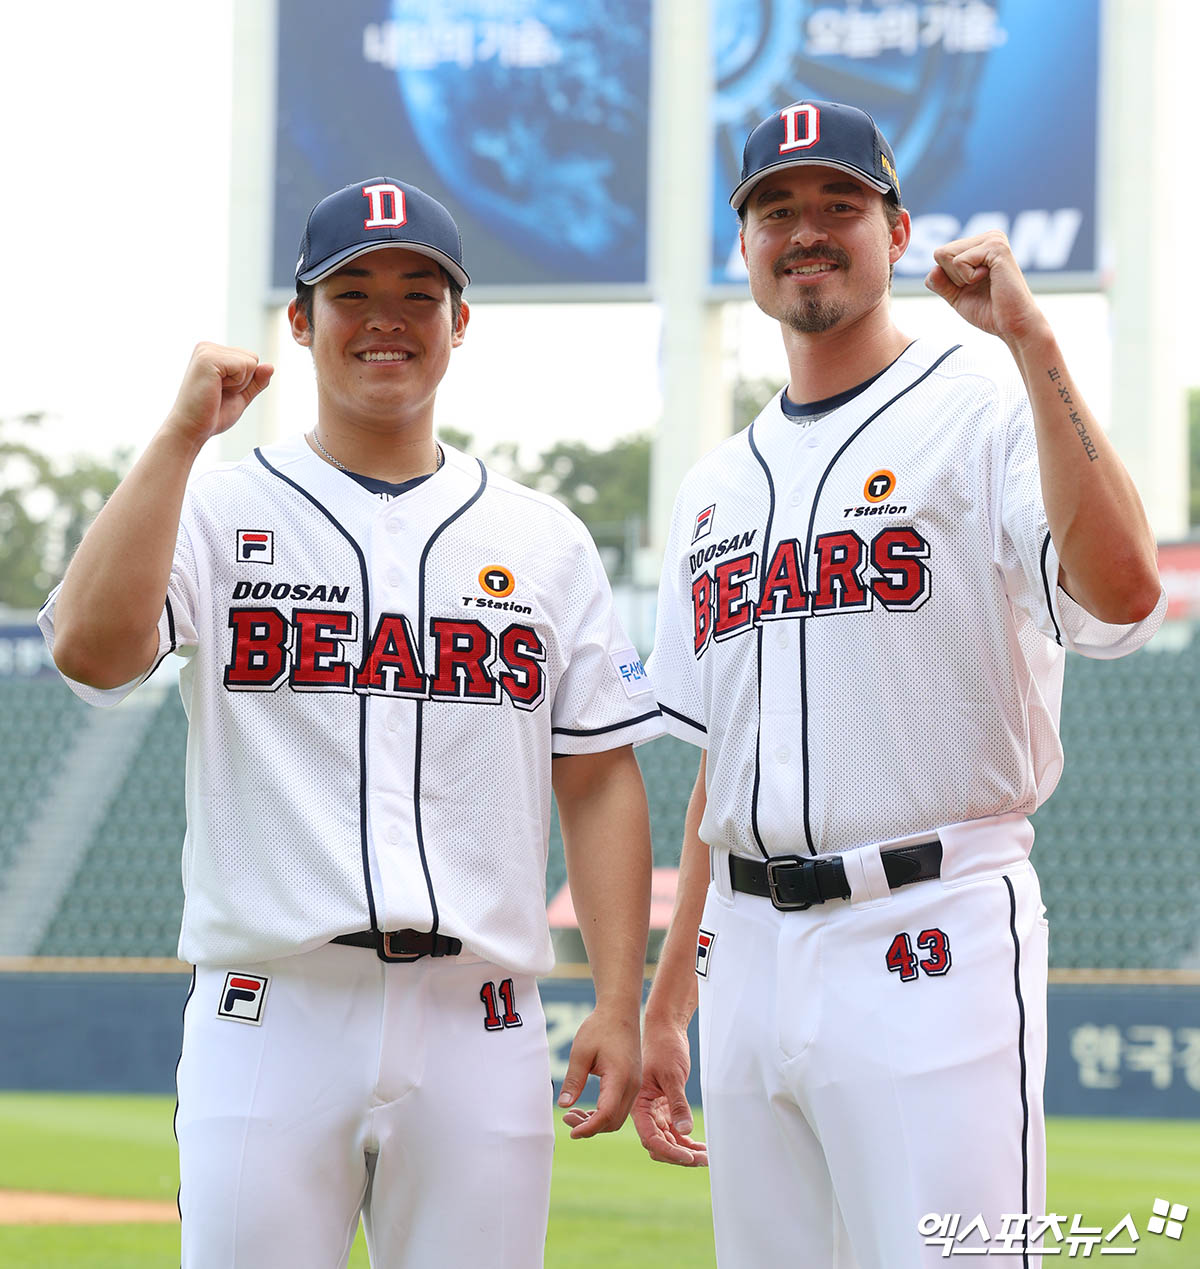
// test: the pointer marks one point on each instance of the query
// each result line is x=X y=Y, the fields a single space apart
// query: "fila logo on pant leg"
x=243 y=998
x=704 y=945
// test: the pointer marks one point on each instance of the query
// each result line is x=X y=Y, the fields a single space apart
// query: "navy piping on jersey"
x=362 y=703
x=599 y=731
x=1049 y=594
x=803 y=625
x=1012 y=925
x=170 y=637
x=762 y=577
x=175 y=1116
x=433 y=537
x=683 y=718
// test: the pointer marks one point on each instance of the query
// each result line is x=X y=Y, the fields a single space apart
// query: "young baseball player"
x=864 y=608
x=392 y=657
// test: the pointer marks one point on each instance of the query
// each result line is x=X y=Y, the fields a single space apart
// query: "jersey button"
x=393 y=577
x=813 y=442
x=782 y=755
x=393 y=834
x=782 y=639
x=394 y=526
x=796 y=499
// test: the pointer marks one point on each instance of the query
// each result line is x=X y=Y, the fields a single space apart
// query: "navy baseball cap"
x=824 y=133
x=380 y=212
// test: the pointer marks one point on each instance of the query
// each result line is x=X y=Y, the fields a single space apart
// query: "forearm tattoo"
x=1073 y=414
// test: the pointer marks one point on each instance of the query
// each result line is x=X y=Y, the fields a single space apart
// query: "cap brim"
x=739 y=195
x=335 y=262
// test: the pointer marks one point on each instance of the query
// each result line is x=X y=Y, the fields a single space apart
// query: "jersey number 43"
x=903 y=961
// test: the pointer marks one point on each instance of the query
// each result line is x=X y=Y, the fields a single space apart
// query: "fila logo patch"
x=801 y=127
x=704 y=944
x=704 y=523
x=256 y=546
x=243 y=998
x=387 y=206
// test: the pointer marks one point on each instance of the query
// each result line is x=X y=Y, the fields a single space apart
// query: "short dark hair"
x=304 y=298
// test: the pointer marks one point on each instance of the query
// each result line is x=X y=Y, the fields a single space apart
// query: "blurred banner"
x=991 y=110
x=1179 y=568
x=1123 y=1050
x=529 y=119
x=23 y=653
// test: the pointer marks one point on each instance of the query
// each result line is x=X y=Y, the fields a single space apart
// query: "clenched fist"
x=217 y=387
x=979 y=277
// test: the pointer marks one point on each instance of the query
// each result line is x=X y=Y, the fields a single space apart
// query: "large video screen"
x=990 y=108
x=528 y=119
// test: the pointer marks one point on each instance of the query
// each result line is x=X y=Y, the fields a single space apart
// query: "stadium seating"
x=127 y=898
x=35 y=724
x=1116 y=846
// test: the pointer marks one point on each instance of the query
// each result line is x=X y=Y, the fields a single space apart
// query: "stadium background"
x=91 y=818
x=91 y=812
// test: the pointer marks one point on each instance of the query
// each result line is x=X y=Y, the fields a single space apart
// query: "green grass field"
x=610 y=1205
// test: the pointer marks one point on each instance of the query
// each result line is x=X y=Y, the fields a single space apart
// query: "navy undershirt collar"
x=810 y=411
x=387 y=489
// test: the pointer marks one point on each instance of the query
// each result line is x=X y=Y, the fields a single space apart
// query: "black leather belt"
x=402 y=945
x=794 y=882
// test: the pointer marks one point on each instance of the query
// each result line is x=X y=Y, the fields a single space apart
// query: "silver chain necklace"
x=441 y=457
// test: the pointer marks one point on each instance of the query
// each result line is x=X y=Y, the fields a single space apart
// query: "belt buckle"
x=386 y=952
x=808 y=883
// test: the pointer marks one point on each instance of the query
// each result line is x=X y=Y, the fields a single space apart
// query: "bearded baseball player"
x=865 y=604
x=392 y=657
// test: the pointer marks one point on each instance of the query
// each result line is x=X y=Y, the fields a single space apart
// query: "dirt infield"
x=24 y=1207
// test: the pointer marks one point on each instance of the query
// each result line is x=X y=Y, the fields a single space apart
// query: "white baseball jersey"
x=860 y=621
x=374 y=691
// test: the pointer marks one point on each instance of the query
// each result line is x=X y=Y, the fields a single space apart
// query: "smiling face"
x=819 y=248
x=381 y=331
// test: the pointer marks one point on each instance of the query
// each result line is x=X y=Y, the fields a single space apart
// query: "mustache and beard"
x=811 y=314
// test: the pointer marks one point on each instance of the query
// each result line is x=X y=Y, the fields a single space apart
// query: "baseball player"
x=392 y=655
x=865 y=603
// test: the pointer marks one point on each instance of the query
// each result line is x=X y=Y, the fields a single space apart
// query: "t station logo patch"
x=497 y=584
x=877 y=490
x=243 y=998
x=255 y=546
x=497 y=581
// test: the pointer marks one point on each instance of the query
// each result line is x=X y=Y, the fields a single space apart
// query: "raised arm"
x=606 y=841
x=661 y=1113
x=106 y=615
x=1106 y=551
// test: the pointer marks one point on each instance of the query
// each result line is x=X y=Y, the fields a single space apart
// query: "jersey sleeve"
x=1027 y=555
x=604 y=698
x=176 y=625
x=672 y=664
